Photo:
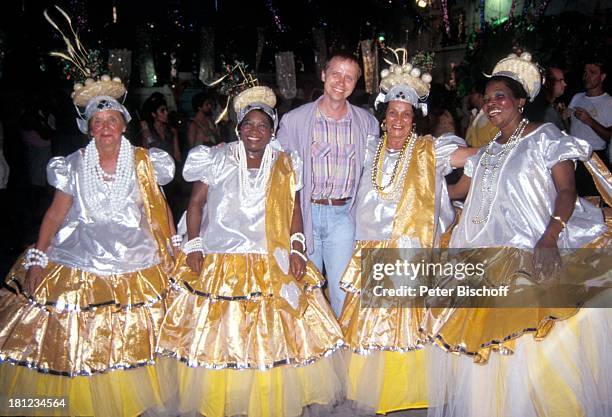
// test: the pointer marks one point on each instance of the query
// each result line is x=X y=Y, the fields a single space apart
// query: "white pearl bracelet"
x=298 y=237
x=194 y=245
x=300 y=254
x=176 y=240
x=35 y=257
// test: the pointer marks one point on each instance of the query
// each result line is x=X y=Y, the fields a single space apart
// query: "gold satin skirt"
x=477 y=332
x=242 y=351
x=387 y=369
x=83 y=336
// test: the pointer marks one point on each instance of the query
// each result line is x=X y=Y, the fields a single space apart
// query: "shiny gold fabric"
x=242 y=310
x=155 y=206
x=601 y=177
x=79 y=330
x=393 y=328
x=227 y=317
x=415 y=212
x=477 y=331
x=81 y=323
x=280 y=199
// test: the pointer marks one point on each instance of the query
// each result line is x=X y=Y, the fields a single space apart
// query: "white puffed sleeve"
x=444 y=146
x=298 y=169
x=557 y=147
x=470 y=164
x=202 y=163
x=60 y=174
x=163 y=165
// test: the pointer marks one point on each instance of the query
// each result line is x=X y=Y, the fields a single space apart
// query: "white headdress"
x=403 y=82
x=522 y=70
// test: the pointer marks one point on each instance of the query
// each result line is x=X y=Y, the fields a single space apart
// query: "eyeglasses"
x=261 y=127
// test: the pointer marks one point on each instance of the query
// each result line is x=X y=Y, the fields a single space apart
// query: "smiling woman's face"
x=398 y=119
x=255 y=131
x=500 y=105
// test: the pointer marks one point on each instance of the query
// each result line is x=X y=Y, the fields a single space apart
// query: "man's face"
x=339 y=79
x=557 y=81
x=592 y=76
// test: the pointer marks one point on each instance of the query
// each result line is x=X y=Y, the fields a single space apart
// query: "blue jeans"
x=334 y=239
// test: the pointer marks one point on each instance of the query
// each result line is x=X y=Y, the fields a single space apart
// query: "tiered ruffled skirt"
x=387 y=369
x=85 y=337
x=235 y=348
x=528 y=362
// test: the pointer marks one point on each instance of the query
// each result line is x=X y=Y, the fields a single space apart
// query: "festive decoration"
x=276 y=16
x=237 y=78
x=369 y=53
x=207 y=54
x=320 y=49
x=285 y=74
x=541 y=9
x=423 y=60
x=80 y=63
x=445 y=16
x=145 y=58
x=526 y=5
x=511 y=13
x=120 y=63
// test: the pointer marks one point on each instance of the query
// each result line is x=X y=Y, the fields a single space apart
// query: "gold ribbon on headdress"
x=248 y=82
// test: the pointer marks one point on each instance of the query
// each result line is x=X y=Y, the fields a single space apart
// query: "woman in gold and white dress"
x=81 y=310
x=533 y=359
x=249 y=327
x=402 y=202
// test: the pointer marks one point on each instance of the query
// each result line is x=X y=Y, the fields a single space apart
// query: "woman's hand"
x=194 y=261
x=546 y=259
x=297 y=266
x=33 y=278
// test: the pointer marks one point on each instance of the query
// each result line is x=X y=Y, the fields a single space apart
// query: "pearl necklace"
x=103 y=206
x=395 y=183
x=492 y=164
x=251 y=188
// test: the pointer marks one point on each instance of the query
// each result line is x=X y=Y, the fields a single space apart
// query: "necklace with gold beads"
x=392 y=188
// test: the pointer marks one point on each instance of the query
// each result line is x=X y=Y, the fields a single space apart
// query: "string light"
x=422 y=3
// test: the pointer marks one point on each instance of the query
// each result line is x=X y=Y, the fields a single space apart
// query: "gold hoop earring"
x=383 y=126
x=521 y=109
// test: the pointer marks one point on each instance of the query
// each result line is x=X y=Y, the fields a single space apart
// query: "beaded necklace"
x=251 y=188
x=103 y=206
x=492 y=164
x=391 y=190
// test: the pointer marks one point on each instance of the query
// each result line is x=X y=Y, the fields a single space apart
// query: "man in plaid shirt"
x=330 y=135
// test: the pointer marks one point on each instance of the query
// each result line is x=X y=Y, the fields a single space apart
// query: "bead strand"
x=193 y=245
x=35 y=257
x=492 y=169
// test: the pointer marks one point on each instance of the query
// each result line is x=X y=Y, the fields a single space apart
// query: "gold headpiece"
x=258 y=94
x=78 y=56
x=522 y=70
x=403 y=72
